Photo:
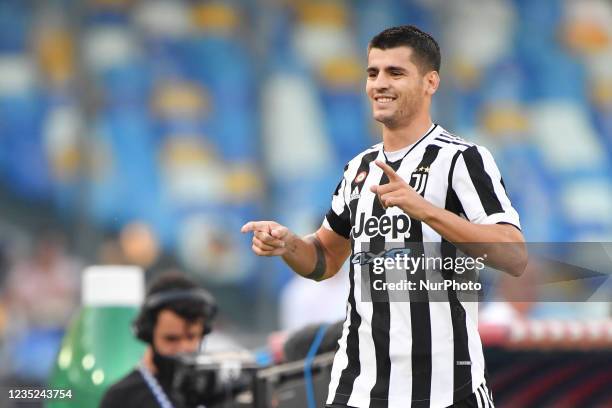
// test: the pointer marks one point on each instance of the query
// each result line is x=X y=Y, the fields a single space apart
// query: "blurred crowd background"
x=148 y=132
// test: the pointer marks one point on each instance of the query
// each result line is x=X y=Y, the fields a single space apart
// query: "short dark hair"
x=188 y=309
x=426 y=51
x=176 y=292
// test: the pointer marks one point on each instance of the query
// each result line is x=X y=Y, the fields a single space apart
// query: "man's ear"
x=432 y=82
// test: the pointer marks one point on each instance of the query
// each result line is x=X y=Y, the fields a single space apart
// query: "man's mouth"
x=384 y=99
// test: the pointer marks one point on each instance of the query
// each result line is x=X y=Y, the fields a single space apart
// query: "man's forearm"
x=306 y=257
x=503 y=245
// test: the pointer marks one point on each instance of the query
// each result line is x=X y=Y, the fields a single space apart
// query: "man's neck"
x=147 y=360
x=400 y=137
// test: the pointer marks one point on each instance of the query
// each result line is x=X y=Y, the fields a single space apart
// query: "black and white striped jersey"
x=419 y=354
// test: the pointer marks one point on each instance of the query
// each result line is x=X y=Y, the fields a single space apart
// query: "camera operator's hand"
x=269 y=237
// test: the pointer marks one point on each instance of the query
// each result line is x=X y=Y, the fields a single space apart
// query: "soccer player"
x=421 y=184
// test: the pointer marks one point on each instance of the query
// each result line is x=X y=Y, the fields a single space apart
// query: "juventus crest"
x=418 y=180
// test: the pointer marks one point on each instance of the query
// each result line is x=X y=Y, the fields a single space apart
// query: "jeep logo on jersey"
x=396 y=225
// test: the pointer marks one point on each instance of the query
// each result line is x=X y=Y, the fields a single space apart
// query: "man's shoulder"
x=131 y=380
x=450 y=141
x=355 y=161
x=128 y=387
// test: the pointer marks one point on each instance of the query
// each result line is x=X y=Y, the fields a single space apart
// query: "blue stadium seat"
x=347 y=124
x=233 y=98
x=129 y=183
x=127 y=84
x=534 y=192
x=602 y=119
x=373 y=17
x=506 y=81
x=25 y=166
x=14 y=26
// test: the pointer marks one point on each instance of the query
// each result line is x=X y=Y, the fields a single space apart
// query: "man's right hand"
x=269 y=237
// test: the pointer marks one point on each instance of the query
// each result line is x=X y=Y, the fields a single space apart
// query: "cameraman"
x=173 y=320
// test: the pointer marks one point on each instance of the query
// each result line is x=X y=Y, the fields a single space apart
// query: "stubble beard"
x=403 y=115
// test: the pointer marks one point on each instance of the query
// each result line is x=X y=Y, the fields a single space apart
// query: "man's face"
x=395 y=87
x=173 y=334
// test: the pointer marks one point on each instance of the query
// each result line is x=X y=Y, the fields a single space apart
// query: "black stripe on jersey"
x=419 y=306
x=337 y=190
x=353 y=368
x=341 y=224
x=462 y=373
x=501 y=180
x=453 y=204
x=452 y=142
x=381 y=315
x=482 y=181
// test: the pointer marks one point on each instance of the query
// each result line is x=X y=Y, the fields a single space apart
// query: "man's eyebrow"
x=171 y=336
x=389 y=68
x=394 y=68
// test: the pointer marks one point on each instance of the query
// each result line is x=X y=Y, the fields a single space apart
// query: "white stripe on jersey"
x=340 y=359
x=473 y=205
x=445 y=376
x=488 y=394
x=440 y=316
x=479 y=400
x=401 y=339
x=368 y=360
x=483 y=397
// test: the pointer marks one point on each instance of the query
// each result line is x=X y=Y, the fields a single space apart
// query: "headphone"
x=144 y=324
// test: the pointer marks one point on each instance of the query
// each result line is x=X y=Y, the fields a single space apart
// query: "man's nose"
x=187 y=346
x=381 y=81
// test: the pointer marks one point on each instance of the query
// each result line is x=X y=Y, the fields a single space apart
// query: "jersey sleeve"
x=479 y=186
x=338 y=217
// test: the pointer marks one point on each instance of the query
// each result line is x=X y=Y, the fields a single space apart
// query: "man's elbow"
x=519 y=263
x=517 y=251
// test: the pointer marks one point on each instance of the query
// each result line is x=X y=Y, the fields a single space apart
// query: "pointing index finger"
x=255 y=226
x=391 y=174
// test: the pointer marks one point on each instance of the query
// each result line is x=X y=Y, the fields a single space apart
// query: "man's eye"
x=372 y=74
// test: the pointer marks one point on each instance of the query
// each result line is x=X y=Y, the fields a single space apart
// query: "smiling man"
x=420 y=185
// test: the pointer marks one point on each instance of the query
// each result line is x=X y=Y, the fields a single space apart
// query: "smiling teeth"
x=384 y=99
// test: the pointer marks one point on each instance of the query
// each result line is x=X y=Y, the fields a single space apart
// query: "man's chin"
x=384 y=119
